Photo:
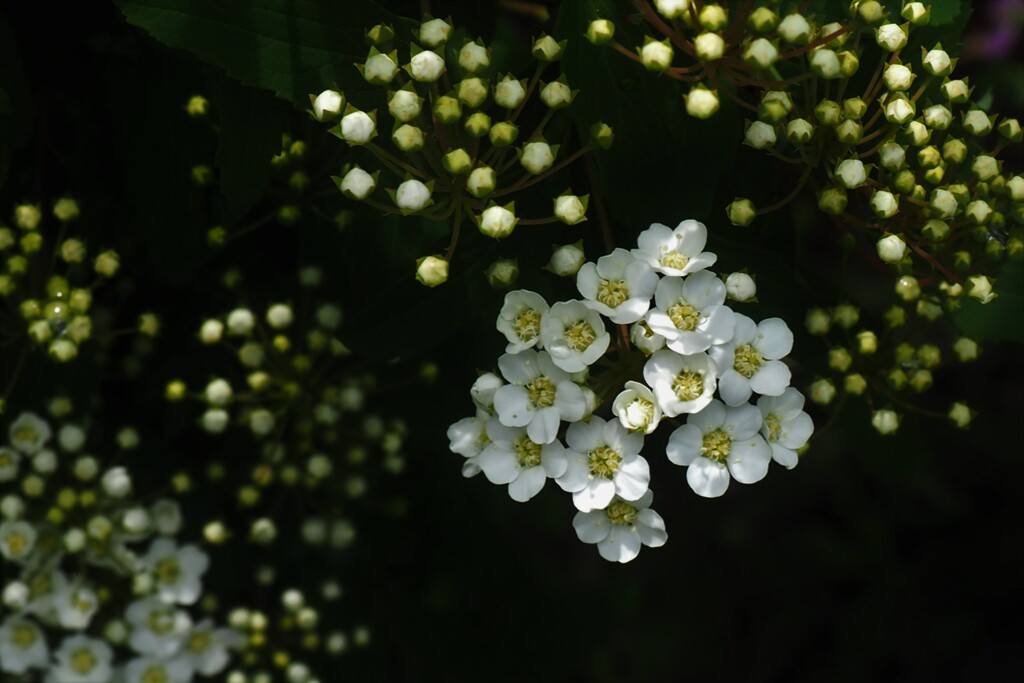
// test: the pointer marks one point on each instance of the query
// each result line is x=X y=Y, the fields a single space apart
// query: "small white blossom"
x=678 y=251
x=148 y=669
x=80 y=659
x=157 y=629
x=786 y=426
x=689 y=313
x=468 y=437
x=29 y=433
x=618 y=286
x=644 y=338
x=751 y=361
x=513 y=458
x=574 y=335
x=215 y=420
x=177 y=572
x=519 y=320
x=539 y=395
x=637 y=408
x=22 y=646
x=205 y=648
x=604 y=462
x=682 y=384
x=622 y=528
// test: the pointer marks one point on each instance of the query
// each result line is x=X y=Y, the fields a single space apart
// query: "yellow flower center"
x=541 y=392
x=527 y=452
x=774 y=425
x=83 y=660
x=716 y=446
x=748 y=360
x=26 y=433
x=160 y=622
x=621 y=513
x=612 y=292
x=688 y=385
x=167 y=570
x=640 y=411
x=24 y=636
x=17 y=544
x=684 y=316
x=673 y=259
x=6 y=458
x=604 y=462
x=527 y=324
x=580 y=335
x=199 y=642
x=155 y=674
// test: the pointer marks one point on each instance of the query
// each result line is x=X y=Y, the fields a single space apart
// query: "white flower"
x=29 y=433
x=718 y=442
x=473 y=57
x=509 y=93
x=604 y=462
x=786 y=426
x=404 y=105
x=675 y=252
x=81 y=660
x=519 y=320
x=536 y=157
x=9 y=460
x=574 y=335
x=468 y=437
x=689 y=313
x=538 y=396
x=379 y=68
x=622 y=528
x=644 y=338
x=218 y=392
x=205 y=649
x=513 y=458
x=22 y=646
x=412 y=195
x=149 y=669
x=358 y=184
x=751 y=361
x=177 y=572
x=17 y=540
x=682 y=384
x=157 y=629
x=75 y=606
x=327 y=105
x=618 y=286
x=482 y=391
x=740 y=287
x=426 y=67
x=637 y=408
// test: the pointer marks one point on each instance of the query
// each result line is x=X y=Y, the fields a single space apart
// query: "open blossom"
x=786 y=426
x=620 y=529
x=205 y=649
x=519 y=320
x=751 y=361
x=618 y=286
x=29 y=433
x=468 y=437
x=177 y=572
x=80 y=659
x=513 y=458
x=718 y=443
x=539 y=395
x=678 y=251
x=689 y=313
x=604 y=462
x=157 y=629
x=22 y=646
x=574 y=335
x=682 y=384
x=637 y=408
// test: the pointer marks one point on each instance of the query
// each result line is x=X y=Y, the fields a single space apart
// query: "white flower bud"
x=917 y=133
x=1015 y=188
x=701 y=103
x=12 y=507
x=482 y=391
x=27 y=216
x=474 y=57
x=357 y=184
x=404 y=105
x=981 y=288
x=45 y=461
x=899 y=110
x=956 y=91
x=509 y=93
x=823 y=391
x=497 y=222
x=937 y=62
x=600 y=31
x=977 y=122
x=556 y=94
x=898 y=77
x=892 y=156
x=761 y=53
x=426 y=66
x=944 y=204
x=985 y=167
x=637 y=408
x=408 y=138
x=644 y=338
x=656 y=55
x=885 y=421
x=709 y=46
x=214 y=420
x=379 y=68
x=241 y=321
x=794 y=29
x=435 y=32
x=571 y=209
x=566 y=260
x=74 y=540
x=799 y=131
x=261 y=422
x=63 y=350
x=978 y=212
x=885 y=204
x=547 y=49
x=740 y=287
x=759 y=135
x=850 y=173
x=916 y=13
x=218 y=392
x=482 y=181
x=890 y=37
x=825 y=63
x=211 y=331
x=891 y=248
x=116 y=483
x=327 y=105
x=279 y=316
x=357 y=128
x=472 y=91
x=432 y=271
x=537 y=157
x=412 y=195
x=672 y=9
x=85 y=468
x=938 y=117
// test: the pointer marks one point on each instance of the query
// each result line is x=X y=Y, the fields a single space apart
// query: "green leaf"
x=946 y=11
x=251 y=125
x=1001 y=319
x=290 y=47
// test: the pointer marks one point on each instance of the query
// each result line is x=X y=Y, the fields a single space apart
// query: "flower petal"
x=591 y=527
x=733 y=387
x=684 y=445
x=748 y=460
x=771 y=379
x=527 y=485
x=543 y=428
x=622 y=545
x=651 y=528
x=596 y=495
x=776 y=338
x=499 y=466
x=784 y=456
x=706 y=478
x=633 y=478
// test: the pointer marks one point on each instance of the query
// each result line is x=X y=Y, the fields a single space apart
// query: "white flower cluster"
x=63 y=553
x=694 y=345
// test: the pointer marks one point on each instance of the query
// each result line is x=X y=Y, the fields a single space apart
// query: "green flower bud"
x=907 y=288
x=547 y=49
x=832 y=200
x=954 y=151
x=839 y=359
x=978 y=212
x=760 y=53
x=1010 y=130
x=899 y=109
x=600 y=32
x=503 y=134
x=432 y=271
x=478 y=124
x=405 y=105
x=849 y=132
x=916 y=133
x=571 y=209
x=823 y=391
x=380 y=36
x=929 y=157
x=566 y=260
x=826 y=64
x=867 y=342
x=474 y=57
x=447 y=109
x=741 y=212
x=656 y=55
x=457 y=162
x=936 y=61
x=897 y=379
x=762 y=20
x=849 y=62
x=817 y=322
x=960 y=415
x=828 y=112
x=885 y=205
x=966 y=349
x=1015 y=188
x=557 y=95
x=107 y=263
x=935 y=230
x=895 y=316
x=602 y=135
x=920 y=380
x=713 y=17
x=472 y=91
x=938 y=117
x=408 y=138
x=503 y=273
x=916 y=13
x=799 y=131
x=846 y=315
x=957 y=91
x=891 y=37
x=855 y=384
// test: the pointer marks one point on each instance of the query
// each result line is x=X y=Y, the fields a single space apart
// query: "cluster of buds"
x=73 y=535
x=459 y=148
x=675 y=349
x=40 y=279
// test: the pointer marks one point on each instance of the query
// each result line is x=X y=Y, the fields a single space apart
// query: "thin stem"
x=597 y=196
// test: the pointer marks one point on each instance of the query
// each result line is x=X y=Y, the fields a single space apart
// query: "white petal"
x=743 y=422
x=629 y=311
x=784 y=456
x=543 y=428
x=720 y=325
x=577 y=473
x=587 y=280
x=692 y=236
x=797 y=431
x=584 y=437
x=519 y=368
x=513 y=406
x=706 y=478
x=596 y=495
x=703 y=290
x=710 y=418
x=651 y=528
x=570 y=401
x=622 y=545
x=733 y=387
x=554 y=460
x=748 y=460
x=499 y=466
x=591 y=527
x=684 y=445
x=633 y=478
x=771 y=379
x=527 y=485
x=776 y=338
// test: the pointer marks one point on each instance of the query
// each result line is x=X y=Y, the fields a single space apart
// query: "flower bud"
x=846 y=315
x=891 y=248
x=978 y=212
x=795 y=30
x=600 y=31
x=1010 y=130
x=916 y=133
x=116 y=483
x=672 y=9
x=943 y=204
x=503 y=134
x=408 y=138
x=898 y=77
x=556 y=94
x=832 y=200
x=472 y=91
x=713 y=17
x=571 y=209
x=457 y=162
x=849 y=62
x=839 y=40
x=425 y=66
x=709 y=46
x=839 y=359
x=412 y=196
x=899 y=109
x=867 y=342
x=957 y=91
x=849 y=132
x=434 y=32
x=762 y=20
x=656 y=55
x=799 y=131
x=379 y=69
x=327 y=105
x=404 y=105
x=823 y=391
x=537 y=157
x=916 y=13
x=855 y=384
x=850 y=173
x=885 y=205
x=960 y=415
x=65 y=209
x=432 y=270
x=966 y=349
x=890 y=37
x=107 y=263
x=929 y=157
x=502 y=274
x=447 y=109
x=637 y=408
x=828 y=112
x=358 y=128
x=357 y=184
x=817 y=322
x=509 y=93
x=892 y=156
x=976 y=122
x=761 y=53
x=474 y=57
x=478 y=124
x=825 y=63
x=759 y=135
x=566 y=260
x=938 y=117
x=885 y=421
x=701 y=103
x=907 y=288
x=1015 y=188
x=547 y=49
x=741 y=212
x=602 y=135
x=482 y=181
x=498 y=221
x=740 y=287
